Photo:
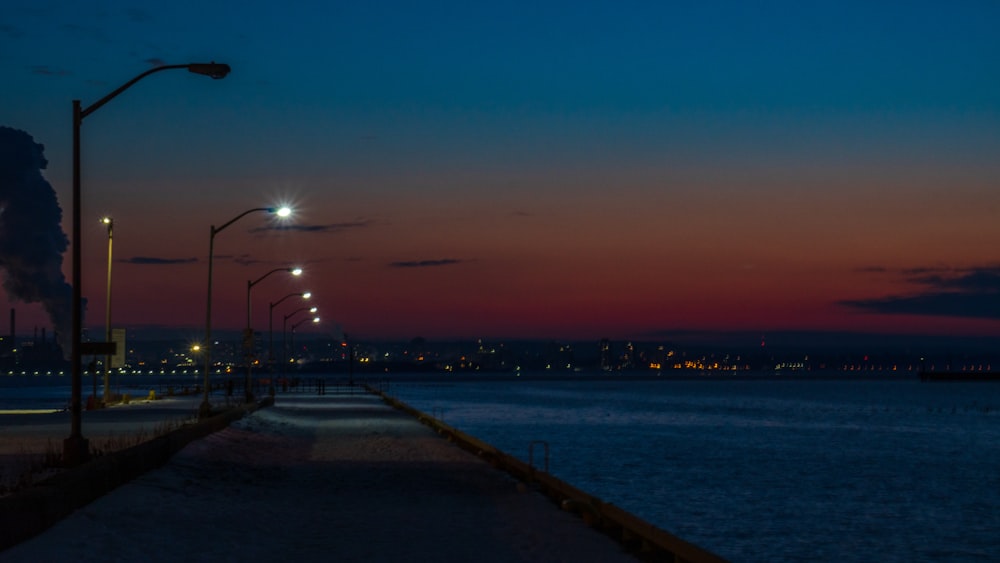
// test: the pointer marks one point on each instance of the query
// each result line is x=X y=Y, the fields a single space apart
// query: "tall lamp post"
x=75 y=447
x=107 y=313
x=248 y=333
x=206 y=408
x=284 y=339
x=270 y=333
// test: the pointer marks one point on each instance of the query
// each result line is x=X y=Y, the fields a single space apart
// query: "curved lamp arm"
x=213 y=69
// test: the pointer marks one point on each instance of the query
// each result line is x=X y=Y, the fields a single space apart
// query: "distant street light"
x=248 y=333
x=76 y=447
x=195 y=350
x=295 y=326
x=284 y=340
x=107 y=313
x=270 y=333
x=206 y=408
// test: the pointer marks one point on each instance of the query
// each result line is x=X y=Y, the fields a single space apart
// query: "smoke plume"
x=32 y=241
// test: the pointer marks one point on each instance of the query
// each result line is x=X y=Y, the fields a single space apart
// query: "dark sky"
x=558 y=169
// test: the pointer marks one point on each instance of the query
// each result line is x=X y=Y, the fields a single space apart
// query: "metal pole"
x=107 y=320
x=75 y=447
x=284 y=345
x=291 y=340
x=248 y=346
x=270 y=334
x=270 y=347
x=206 y=409
x=350 y=360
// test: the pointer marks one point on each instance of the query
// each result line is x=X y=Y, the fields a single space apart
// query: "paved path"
x=338 y=477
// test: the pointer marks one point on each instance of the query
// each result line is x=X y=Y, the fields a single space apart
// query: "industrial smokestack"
x=32 y=241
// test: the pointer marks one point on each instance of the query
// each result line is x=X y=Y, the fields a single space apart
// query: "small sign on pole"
x=118 y=337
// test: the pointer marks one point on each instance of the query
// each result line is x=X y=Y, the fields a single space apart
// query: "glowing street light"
x=284 y=340
x=76 y=447
x=296 y=325
x=206 y=408
x=270 y=333
x=248 y=333
x=194 y=349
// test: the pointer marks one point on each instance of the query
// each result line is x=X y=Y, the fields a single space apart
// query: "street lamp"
x=270 y=332
x=248 y=333
x=284 y=340
x=206 y=409
x=75 y=447
x=107 y=314
x=296 y=325
x=195 y=350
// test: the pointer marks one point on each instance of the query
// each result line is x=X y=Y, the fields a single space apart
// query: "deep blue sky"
x=579 y=169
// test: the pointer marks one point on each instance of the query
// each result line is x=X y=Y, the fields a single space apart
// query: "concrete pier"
x=334 y=477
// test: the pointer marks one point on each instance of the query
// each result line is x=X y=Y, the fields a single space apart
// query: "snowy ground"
x=337 y=477
x=27 y=438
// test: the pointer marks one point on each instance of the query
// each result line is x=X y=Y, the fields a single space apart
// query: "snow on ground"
x=321 y=478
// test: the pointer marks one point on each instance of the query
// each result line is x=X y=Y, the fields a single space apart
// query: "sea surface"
x=52 y=391
x=761 y=469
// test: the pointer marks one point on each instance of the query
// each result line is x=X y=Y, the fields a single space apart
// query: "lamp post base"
x=76 y=450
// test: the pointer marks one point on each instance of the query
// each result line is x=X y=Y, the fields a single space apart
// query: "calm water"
x=763 y=470
x=54 y=391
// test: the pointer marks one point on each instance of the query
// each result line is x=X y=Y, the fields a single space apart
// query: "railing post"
x=531 y=453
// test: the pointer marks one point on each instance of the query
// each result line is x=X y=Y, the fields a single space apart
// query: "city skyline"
x=574 y=171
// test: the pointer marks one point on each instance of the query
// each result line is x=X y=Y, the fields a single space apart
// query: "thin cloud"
x=246 y=260
x=154 y=261
x=968 y=293
x=329 y=228
x=241 y=259
x=46 y=70
x=427 y=263
x=928 y=270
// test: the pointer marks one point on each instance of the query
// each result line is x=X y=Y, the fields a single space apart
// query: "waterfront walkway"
x=335 y=477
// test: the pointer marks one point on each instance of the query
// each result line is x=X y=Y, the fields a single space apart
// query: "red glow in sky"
x=539 y=173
